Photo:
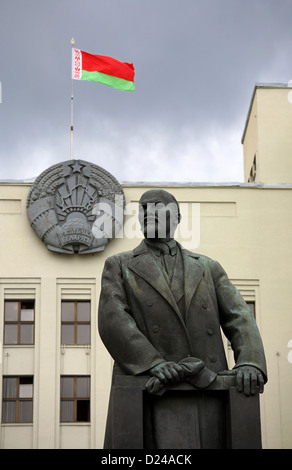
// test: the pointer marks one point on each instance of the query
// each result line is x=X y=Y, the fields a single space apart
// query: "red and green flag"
x=102 y=69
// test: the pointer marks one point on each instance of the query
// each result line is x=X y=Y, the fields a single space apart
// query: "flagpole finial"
x=72 y=41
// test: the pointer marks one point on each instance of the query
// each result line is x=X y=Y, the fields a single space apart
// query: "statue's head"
x=159 y=214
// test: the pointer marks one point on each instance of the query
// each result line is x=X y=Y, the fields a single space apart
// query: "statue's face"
x=158 y=215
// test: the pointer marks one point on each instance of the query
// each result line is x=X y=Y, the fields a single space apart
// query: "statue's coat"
x=141 y=325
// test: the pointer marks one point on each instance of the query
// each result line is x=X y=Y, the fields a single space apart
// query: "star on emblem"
x=76 y=167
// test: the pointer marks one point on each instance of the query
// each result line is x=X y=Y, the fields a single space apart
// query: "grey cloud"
x=196 y=64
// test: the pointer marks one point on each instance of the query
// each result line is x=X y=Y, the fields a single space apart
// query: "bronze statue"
x=160 y=312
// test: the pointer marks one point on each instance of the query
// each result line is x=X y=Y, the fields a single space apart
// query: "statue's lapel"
x=145 y=266
x=193 y=272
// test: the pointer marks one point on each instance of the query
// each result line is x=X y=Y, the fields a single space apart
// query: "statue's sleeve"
x=238 y=323
x=118 y=330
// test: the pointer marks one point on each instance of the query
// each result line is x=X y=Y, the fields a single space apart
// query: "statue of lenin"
x=161 y=311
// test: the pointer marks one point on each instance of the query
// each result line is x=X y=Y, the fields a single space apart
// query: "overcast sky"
x=196 y=64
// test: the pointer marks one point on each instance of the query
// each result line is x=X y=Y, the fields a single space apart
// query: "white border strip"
x=76 y=64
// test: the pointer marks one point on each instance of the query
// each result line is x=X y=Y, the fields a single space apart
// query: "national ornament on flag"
x=102 y=69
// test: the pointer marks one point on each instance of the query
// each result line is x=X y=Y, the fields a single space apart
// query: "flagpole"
x=71 y=142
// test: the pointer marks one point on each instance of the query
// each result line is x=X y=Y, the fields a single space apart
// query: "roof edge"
x=174 y=184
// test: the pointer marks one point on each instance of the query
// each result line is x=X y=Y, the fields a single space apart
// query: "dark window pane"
x=68 y=311
x=83 y=334
x=67 y=334
x=10 y=334
x=83 y=410
x=11 y=311
x=83 y=311
x=26 y=379
x=27 y=304
x=9 y=387
x=25 y=411
x=26 y=334
x=9 y=412
x=251 y=307
x=67 y=411
x=83 y=387
x=67 y=387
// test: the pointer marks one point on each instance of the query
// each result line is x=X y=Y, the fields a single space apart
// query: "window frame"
x=19 y=323
x=75 y=399
x=17 y=399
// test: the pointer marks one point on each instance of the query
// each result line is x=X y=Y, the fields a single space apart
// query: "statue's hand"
x=168 y=372
x=248 y=378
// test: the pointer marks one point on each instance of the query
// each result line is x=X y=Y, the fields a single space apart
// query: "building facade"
x=54 y=369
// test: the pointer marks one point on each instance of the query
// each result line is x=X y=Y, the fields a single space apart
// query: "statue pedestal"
x=242 y=413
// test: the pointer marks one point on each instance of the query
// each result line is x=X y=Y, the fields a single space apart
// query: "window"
x=251 y=307
x=75 y=322
x=75 y=399
x=17 y=399
x=253 y=171
x=19 y=322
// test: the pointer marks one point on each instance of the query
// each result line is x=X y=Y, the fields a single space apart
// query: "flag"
x=102 y=69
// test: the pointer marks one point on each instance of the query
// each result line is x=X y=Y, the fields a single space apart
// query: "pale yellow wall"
x=268 y=134
x=275 y=134
x=247 y=229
